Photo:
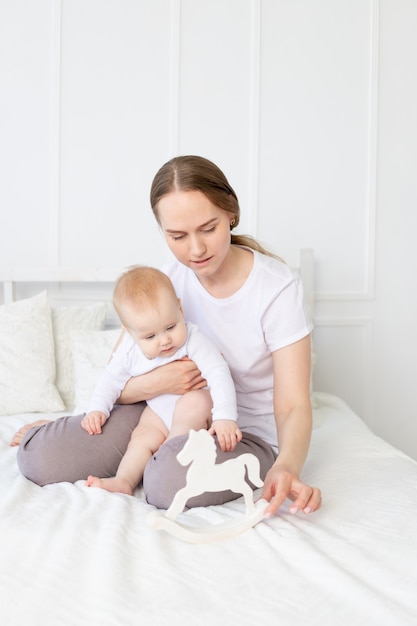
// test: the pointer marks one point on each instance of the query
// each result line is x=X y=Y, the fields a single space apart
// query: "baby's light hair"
x=141 y=285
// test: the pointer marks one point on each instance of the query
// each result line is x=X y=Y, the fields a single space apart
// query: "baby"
x=157 y=333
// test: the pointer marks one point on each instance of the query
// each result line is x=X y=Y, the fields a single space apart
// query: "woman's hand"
x=177 y=377
x=281 y=484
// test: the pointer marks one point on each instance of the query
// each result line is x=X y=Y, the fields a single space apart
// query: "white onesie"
x=129 y=360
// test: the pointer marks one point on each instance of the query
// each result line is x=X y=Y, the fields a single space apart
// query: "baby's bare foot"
x=18 y=436
x=114 y=485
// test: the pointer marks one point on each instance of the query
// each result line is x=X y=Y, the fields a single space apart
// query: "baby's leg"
x=146 y=438
x=192 y=410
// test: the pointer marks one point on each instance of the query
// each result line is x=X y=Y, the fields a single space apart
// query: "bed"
x=73 y=556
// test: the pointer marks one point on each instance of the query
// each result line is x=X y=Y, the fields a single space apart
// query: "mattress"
x=70 y=555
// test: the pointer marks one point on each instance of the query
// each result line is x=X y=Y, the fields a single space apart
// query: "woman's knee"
x=164 y=475
x=62 y=451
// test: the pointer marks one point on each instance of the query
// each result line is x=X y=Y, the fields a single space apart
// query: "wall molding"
x=353 y=320
x=254 y=117
x=55 y=139
x=174 y=87
x=372 y=167
x=373 y=145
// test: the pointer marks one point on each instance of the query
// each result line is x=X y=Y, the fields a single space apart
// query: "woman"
x=251 y=305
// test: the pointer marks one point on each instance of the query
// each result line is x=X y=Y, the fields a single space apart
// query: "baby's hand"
x=93 y=421
x=228 y=434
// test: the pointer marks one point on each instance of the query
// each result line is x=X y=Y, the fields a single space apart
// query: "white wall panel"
x=25 y=133
x=315 y=134
x=216 y=87
x=115 y=105
x=394 y=354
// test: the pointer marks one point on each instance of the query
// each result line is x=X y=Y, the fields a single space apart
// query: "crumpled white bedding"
x=73 y=556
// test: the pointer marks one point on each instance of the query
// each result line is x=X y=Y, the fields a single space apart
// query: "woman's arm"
x=293 y=417
x=177 y=377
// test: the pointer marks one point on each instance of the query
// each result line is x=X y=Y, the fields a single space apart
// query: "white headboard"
x=67 y=285
x=53 y=275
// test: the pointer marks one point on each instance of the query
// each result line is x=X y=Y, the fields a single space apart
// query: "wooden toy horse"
x=203 y=475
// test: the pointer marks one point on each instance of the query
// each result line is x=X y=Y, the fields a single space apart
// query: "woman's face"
x=196 y=231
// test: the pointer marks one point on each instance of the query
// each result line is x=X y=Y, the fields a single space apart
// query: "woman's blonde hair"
x=195 y=173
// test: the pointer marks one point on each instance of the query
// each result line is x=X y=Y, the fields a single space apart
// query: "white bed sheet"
x=73 y=556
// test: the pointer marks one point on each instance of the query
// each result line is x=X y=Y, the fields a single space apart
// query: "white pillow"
x=91 y=351
x=64 y=321
x=27 y=359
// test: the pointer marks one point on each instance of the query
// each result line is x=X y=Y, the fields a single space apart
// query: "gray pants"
x=62 y=451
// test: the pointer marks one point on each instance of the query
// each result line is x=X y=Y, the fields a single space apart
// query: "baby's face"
x=159 y=331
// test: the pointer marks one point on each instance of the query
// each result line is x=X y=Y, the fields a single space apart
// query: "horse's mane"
x=197 y=443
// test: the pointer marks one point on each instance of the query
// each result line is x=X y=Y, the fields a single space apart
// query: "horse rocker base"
x=204 y=475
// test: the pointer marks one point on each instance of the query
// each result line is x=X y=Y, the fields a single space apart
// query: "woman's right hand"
x=177 y=377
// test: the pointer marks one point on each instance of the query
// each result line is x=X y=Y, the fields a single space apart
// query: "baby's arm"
x=222 y=389
x=228 y=434
x=111 y=382
x=93 y=421
x=216 y=371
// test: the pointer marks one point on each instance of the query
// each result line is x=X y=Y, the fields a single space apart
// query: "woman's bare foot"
x=18 y=436
x=115 y=484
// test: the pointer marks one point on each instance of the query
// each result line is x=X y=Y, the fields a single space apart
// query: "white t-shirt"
x=128 y=360
x=267 y=313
